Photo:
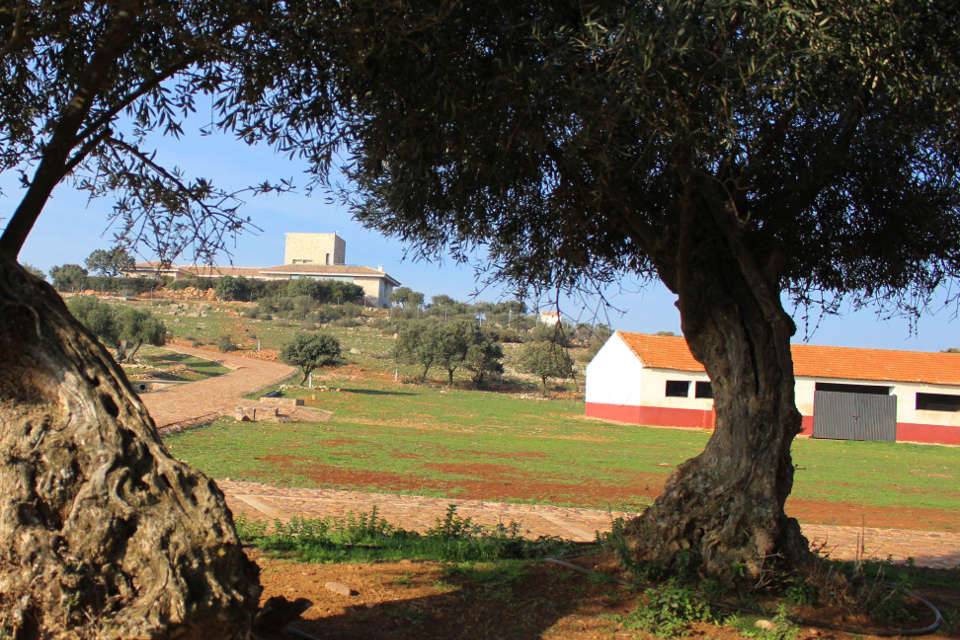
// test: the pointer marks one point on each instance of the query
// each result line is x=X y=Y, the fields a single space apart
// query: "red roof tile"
x=815 y=361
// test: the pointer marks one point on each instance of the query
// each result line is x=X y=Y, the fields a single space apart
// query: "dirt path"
x=183 y=405
x=259 y=501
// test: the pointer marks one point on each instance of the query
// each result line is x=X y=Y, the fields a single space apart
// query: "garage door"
x=854 y=416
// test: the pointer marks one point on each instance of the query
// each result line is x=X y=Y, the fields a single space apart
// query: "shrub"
x=668 y=611
x=225 y=343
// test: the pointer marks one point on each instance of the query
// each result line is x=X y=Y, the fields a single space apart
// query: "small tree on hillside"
x=484 y=356
x=311 y=351
x=546 y=360
x=136 y=328
x=109 y=262
x=68 y=277
x=416 y=345
x=99 y=318
x=451 y=344
x=125 y=330
x=406 y=298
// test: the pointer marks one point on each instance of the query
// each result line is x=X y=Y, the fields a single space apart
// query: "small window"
x=938 y=402
x=703 y=390
x=678 y=388
x=839 y=387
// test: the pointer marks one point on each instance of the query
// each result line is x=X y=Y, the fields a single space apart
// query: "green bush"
x=367 y=537
x=668 y=611
x=196 y=283
x=225 y=343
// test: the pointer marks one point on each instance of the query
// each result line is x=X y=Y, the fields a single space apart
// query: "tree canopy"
x=68 y=277
x=737 y=151
x=124 y=329
x=311 y=351
x=109 y=262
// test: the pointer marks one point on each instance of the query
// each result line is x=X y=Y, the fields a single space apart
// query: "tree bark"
x=105 y=534
x=723 y=511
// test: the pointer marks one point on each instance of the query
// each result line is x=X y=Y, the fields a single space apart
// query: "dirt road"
x=187 y=404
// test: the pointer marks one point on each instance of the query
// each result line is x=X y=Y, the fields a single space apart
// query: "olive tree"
x=112 y=537
x=546 y=359
x=109 y=262
x=68 y=277
x=311 y=351
x=742 y=153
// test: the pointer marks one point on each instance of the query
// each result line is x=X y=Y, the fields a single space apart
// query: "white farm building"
x=841 y=392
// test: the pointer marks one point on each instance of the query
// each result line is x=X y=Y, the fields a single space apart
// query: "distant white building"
x=841 y=392
x=320 y=256
x=550 y=318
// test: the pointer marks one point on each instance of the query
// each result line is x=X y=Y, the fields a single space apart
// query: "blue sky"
x=70 y=228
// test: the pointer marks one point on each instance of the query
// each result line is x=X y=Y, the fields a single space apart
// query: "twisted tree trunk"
x=723 y=511
x=104 y=534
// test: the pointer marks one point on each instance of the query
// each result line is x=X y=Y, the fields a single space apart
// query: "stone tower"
x=314 y=248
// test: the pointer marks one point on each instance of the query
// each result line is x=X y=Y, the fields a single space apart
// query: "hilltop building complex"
x=321 y=256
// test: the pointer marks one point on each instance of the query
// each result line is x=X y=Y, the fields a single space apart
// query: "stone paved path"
x=187 y=404
x=259 y=501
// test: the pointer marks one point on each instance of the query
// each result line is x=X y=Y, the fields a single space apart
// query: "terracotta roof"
x=253 y=272
x=815 y=361
x=204 y=271
x=152 y=266
x=330 y=269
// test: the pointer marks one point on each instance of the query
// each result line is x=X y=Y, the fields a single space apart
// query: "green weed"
x=668 y=611
x=367 y=537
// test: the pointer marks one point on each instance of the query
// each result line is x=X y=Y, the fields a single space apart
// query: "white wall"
x=615 y=375
x=654 y=389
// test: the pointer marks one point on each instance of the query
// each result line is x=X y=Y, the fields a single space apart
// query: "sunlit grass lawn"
x=171 y=365
x=385 y=428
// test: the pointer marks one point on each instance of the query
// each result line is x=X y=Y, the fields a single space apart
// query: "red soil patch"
x=850 y=514
x=419 y=601
x=505 y=483
x=481 y=469
x=494 y=482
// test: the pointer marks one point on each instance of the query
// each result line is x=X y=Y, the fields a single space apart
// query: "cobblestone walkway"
x=258 y=501
x=188 y=404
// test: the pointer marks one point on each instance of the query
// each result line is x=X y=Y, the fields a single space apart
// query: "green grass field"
x=163 y=364
x=459 y=443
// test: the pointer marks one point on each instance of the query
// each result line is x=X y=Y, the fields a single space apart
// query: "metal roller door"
x=854 y=416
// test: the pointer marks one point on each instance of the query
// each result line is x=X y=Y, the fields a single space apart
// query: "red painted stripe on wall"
x=939 y=434
x=654 y=416
x=702 y=419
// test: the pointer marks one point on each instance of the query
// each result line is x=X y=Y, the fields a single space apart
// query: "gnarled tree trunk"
x=724 y=509
x=104 y=534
